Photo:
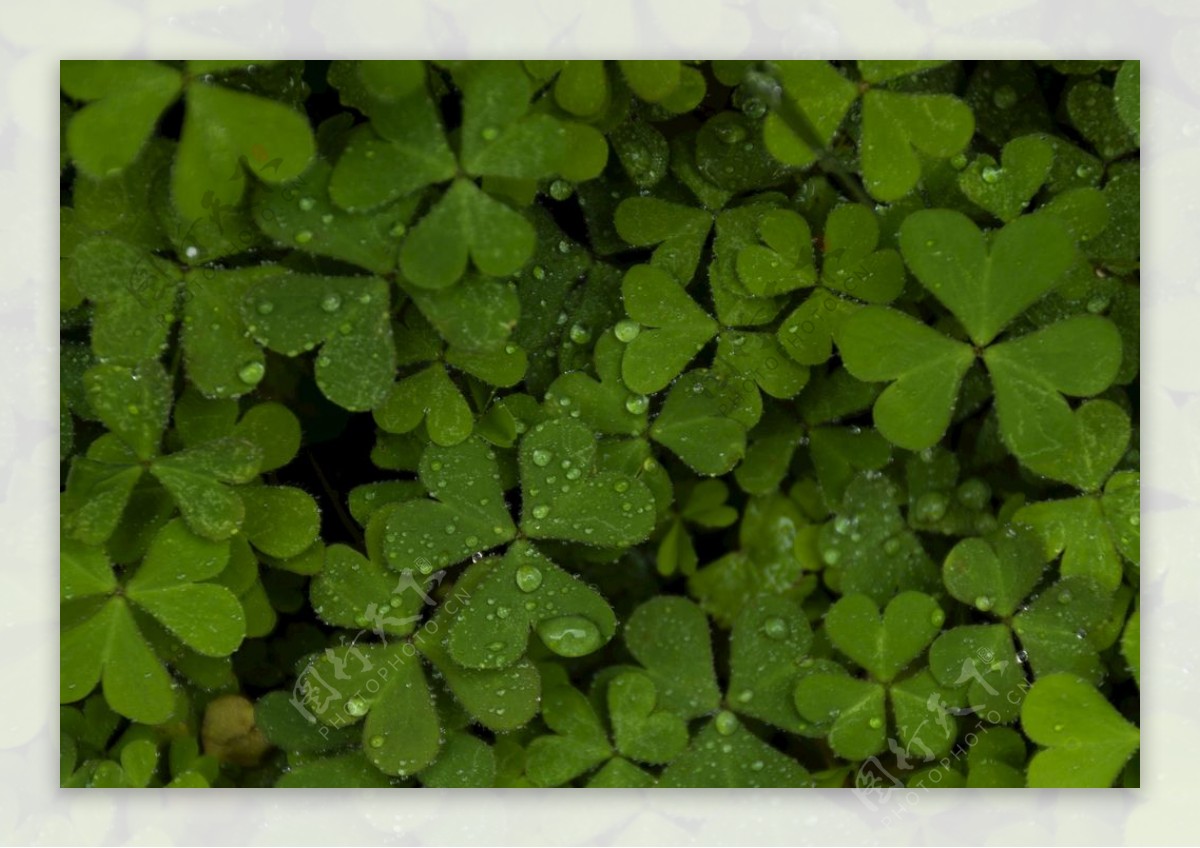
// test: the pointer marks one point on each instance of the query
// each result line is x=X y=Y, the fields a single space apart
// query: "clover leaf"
x=124 y=101
x=705 y=419
x=868 y=549
x=526 y=591
x=346 y=316
x=134 y=404
x=669 y=329
x=102 y=639
x=884 y=645
x=1086 y=742
x=1005 y=189
x=468 y=516
x=1080 y=355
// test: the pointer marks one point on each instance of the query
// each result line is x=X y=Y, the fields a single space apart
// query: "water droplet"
x=397 y=231
x=529 y=578
x=579 y=334
x=541 y=511
x=541 y=458
x=570 y=635
x=937 y=618
x=627 y=330
x=752 y=107
x=1064 y=597
x=891 y=547
x=266 y=308
x=327 y=218
x=974 y=493
x=561 y=189
x=304 y=237
x=356 y=706
x=726 y=722
x=376 y=742
x=251 y=373
x=306 y=204
x=959 y=161
x=745 y=696
x=331 y=303
x=490 y=133
x=775 y=628
x=1005 y=97
x=831 y=556
x=637 y=404
x=983 y=603
x=876 y=723
x=191 y=252
x=931 y=507
x=564 y=246
x=990 y=175
x=539 y=273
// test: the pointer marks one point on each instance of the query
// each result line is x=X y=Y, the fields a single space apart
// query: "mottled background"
x=1164 y=34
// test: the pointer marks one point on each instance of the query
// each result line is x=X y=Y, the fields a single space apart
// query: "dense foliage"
x=640 y=423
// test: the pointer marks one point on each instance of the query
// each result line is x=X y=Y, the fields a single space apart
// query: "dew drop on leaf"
x=637 y=404
x=726 y=722
x=775 y=628
x=627 y=330
x=569 y=635
x=251 y=373
x=528 y=578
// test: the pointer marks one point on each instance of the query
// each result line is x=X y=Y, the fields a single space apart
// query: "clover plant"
x=600 y=423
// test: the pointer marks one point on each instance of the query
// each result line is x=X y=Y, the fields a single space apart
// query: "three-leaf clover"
x=102 y=636
x=986 y=287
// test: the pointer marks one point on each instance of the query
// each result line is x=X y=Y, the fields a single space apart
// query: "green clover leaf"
x=923 y=366
x=468 y=516
x=102 y=638
x=526 y=591
x=222 y=129
x=465 y=222
x=985 y=286
x=884 y=645
x=346 y=316
x=124 y=102
x=302 y=214
x=705 y=420
x=1005 y=189
x=670 y=637
x=995 y=575
x=1085 y=741
x=642 y=730
x=673 y=329
x=896 y=126
x=679 y=232
x=566 y=495
x=868 y=548
x=579 y=742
